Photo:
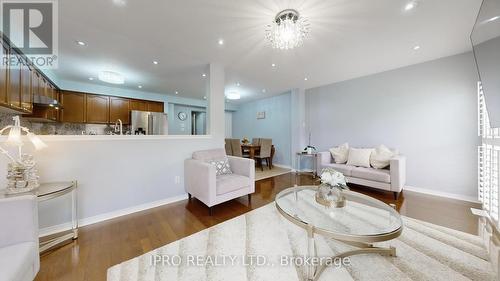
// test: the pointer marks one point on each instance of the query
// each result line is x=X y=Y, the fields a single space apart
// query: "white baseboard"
x=283 y=166
x=442 y=194
x=110 y=215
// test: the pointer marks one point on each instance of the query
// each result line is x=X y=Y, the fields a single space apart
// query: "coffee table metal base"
x=314 y=272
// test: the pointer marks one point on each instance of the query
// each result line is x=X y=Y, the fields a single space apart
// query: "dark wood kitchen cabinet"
x=119 y=108
x=4 y=79
x=138 y=105
x=14 y=82
x=26 y=93
x=154 y=106
x=74 y=107
x=97 y=108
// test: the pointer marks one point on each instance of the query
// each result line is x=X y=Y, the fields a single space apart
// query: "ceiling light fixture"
x=140 y=86
x=205 y=97
x=238 y=84
x=81 y=43
x=221 y=42
x=288 y=30
x=155 y=62
x=91 y=78
x=263 y=90
x=416 y=48
x=111 y=77
x=410 y=5
x=176 y=92
x=273 y=65
x=204 y=75
x=120 y=2
x=305 y=79
x=492 y=19
x=233 y=96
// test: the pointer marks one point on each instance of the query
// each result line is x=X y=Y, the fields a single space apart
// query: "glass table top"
x=45 y=189
x=361 y=216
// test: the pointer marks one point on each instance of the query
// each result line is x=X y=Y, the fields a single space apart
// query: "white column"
x=215 y=96
x=298 y=124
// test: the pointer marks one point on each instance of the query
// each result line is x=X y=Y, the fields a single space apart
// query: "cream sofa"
x=19 y=257
x=391 y=179
x=202 y=182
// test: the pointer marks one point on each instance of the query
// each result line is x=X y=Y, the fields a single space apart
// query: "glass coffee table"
x=362 y=221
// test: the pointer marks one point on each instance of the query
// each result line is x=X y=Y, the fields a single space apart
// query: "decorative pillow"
x=340 y=153
x=221 y=166
x=381 y=157
x=359 y=157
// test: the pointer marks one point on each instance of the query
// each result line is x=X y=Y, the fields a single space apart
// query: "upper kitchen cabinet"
x=14 y=81
x=119 y=108
x=74 y=107
x=97 y=108
x=4 y=79
x=139 y=105
x=26 y=93
x=155 y=106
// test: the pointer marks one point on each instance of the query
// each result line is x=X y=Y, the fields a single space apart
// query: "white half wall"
x=427 y=111
x=117 y=173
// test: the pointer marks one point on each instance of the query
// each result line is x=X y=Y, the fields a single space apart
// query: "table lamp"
x=21 y=173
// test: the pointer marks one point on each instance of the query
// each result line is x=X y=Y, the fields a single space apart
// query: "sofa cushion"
x=343 y=168
x=381 y=157
x=17 y=262
x=372 y=174
x=231 y=182
x=211 y=154
x=340 y=153
x=359 y=157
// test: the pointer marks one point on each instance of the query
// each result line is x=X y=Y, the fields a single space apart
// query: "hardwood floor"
x=105 y=244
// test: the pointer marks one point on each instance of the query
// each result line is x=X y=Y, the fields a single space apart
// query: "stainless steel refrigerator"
x=148 y=123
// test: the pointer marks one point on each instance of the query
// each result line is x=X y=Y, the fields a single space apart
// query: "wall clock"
x=182 y=115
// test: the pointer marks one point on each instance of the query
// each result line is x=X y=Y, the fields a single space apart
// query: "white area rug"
x=424 y=252
x=268 y=173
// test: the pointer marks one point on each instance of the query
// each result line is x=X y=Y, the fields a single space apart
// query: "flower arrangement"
x=333 y=178
x=245 y=140
x=330 y=191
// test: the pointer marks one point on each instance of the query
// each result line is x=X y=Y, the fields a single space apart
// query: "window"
x=488 y=161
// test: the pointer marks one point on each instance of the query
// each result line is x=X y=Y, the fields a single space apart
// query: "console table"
x=51 y=190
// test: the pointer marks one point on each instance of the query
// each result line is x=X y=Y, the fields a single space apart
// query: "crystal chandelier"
x=288 y=30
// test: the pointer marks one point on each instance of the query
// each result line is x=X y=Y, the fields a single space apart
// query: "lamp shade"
x=14 y=137
x=36 y=141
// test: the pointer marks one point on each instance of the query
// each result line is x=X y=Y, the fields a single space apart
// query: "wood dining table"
x=253 y=149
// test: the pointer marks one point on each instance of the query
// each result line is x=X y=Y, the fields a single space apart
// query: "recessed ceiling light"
x=176 y=92
x=221 y=42
x=140 y=86
x=91 y=78
x=410 y=5
x=81 y=43
x=233 y=96
x=205 y=97
x=120 y=2
x=155 y=62
x=238 y=84
x=305 y=79
x=263 y=90
x=493 y=19
x=273 y=65
x=416 y=48
x=111 y=77
x=204 y=75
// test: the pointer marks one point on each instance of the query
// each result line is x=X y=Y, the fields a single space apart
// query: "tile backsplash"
x=41 y=128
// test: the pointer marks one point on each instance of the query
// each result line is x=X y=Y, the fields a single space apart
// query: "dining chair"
x=255 y=141
x=265 y=153
x=236 y=147
x=227 y=146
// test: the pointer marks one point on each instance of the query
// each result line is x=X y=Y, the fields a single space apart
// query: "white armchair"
x=202 y=183
x=19 y=256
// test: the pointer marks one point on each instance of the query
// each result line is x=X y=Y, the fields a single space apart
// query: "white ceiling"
x=349 y=38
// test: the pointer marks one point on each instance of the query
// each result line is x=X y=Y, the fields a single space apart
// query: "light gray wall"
x=276 y=125
x=428 y=111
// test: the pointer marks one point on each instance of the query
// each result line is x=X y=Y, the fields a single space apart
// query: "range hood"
x=45 y=101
